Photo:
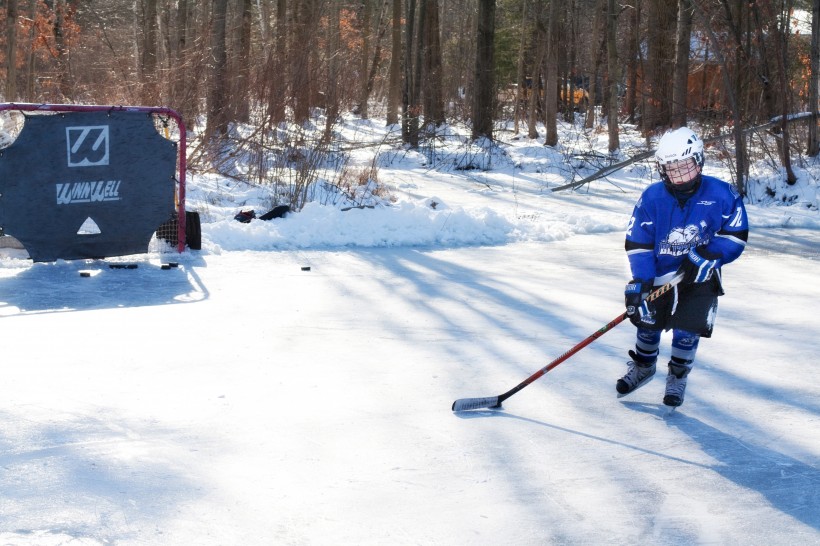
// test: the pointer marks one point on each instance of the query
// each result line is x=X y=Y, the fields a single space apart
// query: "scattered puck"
x=85 y=274
x=305 y=268
x=165 y=266
x=122 y=266
x=173 y=264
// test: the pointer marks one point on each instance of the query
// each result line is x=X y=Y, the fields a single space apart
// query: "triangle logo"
x=89 y=227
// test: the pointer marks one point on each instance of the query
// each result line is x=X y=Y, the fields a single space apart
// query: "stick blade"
x=467 y=404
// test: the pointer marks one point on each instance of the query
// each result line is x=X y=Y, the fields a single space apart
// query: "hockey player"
x=690 y=224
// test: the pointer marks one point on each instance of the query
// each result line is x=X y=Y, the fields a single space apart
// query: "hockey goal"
x=93 y=181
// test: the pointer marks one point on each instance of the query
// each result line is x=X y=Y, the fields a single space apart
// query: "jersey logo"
x=707 y=203
x=680 y=240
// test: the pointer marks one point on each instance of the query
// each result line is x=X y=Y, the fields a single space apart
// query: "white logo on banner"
x=87 y=145
x=88 y=192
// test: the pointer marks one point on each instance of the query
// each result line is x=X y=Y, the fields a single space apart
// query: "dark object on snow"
x=245 y=216
x=276 y=212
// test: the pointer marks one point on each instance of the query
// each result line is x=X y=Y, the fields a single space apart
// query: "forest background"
x=269 y=79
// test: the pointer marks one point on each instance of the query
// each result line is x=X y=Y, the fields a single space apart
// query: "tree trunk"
x=484 y=80
x=394 y=90
x=681 y=73
x=540 y=41
x=302 y=33
x=61 y=50
x=433 y=97
x=30 y=75
x=11 y=50
x=180 y=70
x=633 y=55
x=594 y=41
x=784 y=30
x=551 y=77
x=519 y=72
x=241 y=93
x=410 y=105
x=814 y=81
x=614 y=76
x=276 y=70
x=332 y=92
x=367 y=34
x=570 y=79
x=217 y=123
x=662 y=19
x=148 y=65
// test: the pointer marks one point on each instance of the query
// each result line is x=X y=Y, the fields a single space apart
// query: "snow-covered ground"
x=239 y=399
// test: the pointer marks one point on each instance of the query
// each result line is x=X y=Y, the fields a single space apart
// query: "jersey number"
x=737 y=221
x=630 y=226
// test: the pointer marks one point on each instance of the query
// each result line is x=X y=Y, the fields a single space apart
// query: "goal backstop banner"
x=87 y=184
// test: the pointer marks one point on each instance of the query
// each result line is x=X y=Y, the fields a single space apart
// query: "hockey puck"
x=305 y=268
x=85 y=274
x=173 y=264
x=165 y=266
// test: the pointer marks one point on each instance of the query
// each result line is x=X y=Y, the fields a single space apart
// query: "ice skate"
x=675 y=385
x=639 y=374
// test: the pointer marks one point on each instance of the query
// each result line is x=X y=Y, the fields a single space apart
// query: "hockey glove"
x=639 y=311
x=699 y=265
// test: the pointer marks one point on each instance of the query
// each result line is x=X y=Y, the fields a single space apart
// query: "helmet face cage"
x=680 y=172
x=679 y=157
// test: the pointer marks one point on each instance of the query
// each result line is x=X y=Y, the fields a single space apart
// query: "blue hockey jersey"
x=663 y=228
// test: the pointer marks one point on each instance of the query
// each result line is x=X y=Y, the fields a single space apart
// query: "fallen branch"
x=643 y=155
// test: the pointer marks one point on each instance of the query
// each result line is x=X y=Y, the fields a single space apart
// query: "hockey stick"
x=465 y=404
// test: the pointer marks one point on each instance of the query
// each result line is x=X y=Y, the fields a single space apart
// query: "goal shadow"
x=90 y=285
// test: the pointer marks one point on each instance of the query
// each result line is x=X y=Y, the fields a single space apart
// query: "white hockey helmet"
x=679 y=158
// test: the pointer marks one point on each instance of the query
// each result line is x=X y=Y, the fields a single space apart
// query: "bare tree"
x=61 y=49
x=614 y=76
x=30 y=75
x=680 y=75
x=813 y=147
x=540 y=41
x=782 y=36
x=741 y=163
x=332 y=54
x=148 y=60
x=305 y=19
x=367 y=35
x=484 y=80
x=633 y=53
x=551 y=77
x=218 y=83
x=394 y=87
x=519 y=72
x=11 y=50
x=662 y=20
x=594 y=43
x=432 y=90
x=411 y=109
x=242 y=63
x=276 y=76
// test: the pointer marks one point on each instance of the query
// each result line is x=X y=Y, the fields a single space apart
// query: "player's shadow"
x=791 y=486
x=63 y=286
